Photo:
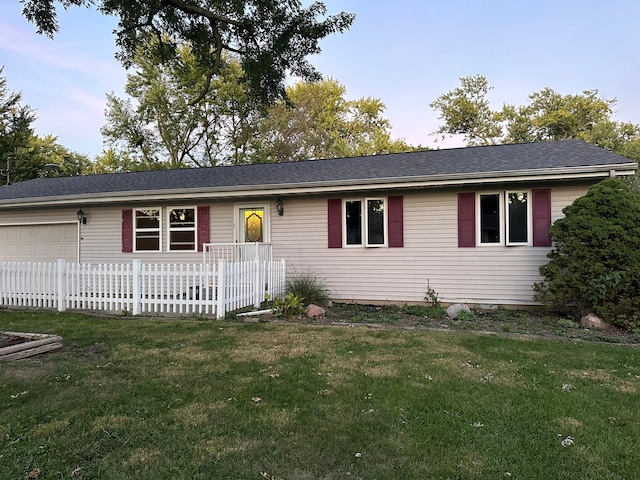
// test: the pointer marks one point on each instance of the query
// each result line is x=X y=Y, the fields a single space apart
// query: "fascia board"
x=244 y=191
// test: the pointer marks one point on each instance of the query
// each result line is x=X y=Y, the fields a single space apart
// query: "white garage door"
x=39 y=243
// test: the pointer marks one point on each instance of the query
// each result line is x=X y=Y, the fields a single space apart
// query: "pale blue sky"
x=404 y=52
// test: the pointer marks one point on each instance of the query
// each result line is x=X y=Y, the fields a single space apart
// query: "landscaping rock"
x=454 y=310
x=315 y=311
x=592 y=321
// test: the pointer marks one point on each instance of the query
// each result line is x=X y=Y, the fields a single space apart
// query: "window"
x=517 y=218
x=490 y=218
x=147 y=229
x=370 y=222
x=182 y=229
x=187 y=230
x=504 y=218
x=365 y=222
x=512 y=217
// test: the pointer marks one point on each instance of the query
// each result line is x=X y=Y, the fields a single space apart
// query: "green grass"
x=130 y=398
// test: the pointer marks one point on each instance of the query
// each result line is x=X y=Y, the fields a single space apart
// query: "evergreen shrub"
x=594 y=265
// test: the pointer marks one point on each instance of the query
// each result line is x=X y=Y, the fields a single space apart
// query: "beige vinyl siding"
x=483 y=275
x=102 y=236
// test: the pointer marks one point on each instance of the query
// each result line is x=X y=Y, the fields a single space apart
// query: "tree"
x=112 y=161
x=272 y=38
x=465 y=110
x=595 y=262
x=548 y=116
x=160 y=127
x=15 y=132
x=318 y=122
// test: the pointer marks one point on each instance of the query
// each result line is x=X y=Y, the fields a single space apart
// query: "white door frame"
x=239 y=223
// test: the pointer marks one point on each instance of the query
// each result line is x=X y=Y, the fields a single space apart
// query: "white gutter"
x=352 y=185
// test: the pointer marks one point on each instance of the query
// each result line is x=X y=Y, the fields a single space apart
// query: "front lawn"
x=131 y=398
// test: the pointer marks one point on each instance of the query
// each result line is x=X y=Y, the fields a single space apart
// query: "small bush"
x=306 y=284
x=431 y=296
x=288 y=306
x=595 y=262
x=566 y=323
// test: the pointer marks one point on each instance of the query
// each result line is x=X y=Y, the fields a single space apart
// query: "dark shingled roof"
x=470 y=161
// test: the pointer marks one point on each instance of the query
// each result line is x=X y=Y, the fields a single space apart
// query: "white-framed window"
x=147 y=223
x=365 y=222
x=504 y=218
x=181 y=226
x=518 y=218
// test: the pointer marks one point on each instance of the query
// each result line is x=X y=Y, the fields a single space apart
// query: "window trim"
x=135 y=229
x=364 y=225
x=266 y=209
x=501 y=221
x=193 y=229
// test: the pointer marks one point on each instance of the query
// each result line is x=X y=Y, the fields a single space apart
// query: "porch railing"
x=139 y=288
x=236 y=252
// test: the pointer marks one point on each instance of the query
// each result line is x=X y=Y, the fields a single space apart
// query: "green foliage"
x=316 y=121
x=15 y=133
x=549 y=115
x=431 y=296
x=288 y=306
x=271 y=39
x=466 y=316
x=595 y=262
x=170 y=121
x=566 y=323
x=431 y=311
x=465 y=110
x=307 y=285
x=24 y=155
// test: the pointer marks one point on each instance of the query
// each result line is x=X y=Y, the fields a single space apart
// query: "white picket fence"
x=139 y=288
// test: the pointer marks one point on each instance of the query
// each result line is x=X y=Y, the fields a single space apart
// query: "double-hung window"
x=146 y=229
x=182 y=229
x=158 y=229
x=365 y=222
x=511 y=217
x=504 y=218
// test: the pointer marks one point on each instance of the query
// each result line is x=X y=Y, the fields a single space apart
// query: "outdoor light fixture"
x=82 y=218
x=280 y=206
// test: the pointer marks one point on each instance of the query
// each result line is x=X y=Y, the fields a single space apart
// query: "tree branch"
x=202 y=12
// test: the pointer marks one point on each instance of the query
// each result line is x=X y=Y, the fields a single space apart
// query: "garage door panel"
x=38 y=242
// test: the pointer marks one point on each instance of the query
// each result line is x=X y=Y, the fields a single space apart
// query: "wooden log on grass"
x=38 y=343
x=30 y=351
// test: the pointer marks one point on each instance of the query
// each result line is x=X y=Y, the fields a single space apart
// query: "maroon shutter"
x=396 y=221
x=127 y=231
x=541 y=217
x=334 y=215
x=203 y=226
x=467 y=219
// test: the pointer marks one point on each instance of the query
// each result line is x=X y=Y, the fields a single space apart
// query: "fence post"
x=258 y=285
x=137 y=295
x=221 y=289
x=62 y=285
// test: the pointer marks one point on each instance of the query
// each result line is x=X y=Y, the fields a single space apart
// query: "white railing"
x=139 y=288
x=236 y=252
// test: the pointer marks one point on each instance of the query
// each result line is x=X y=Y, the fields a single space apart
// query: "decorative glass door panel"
x=252 y=225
